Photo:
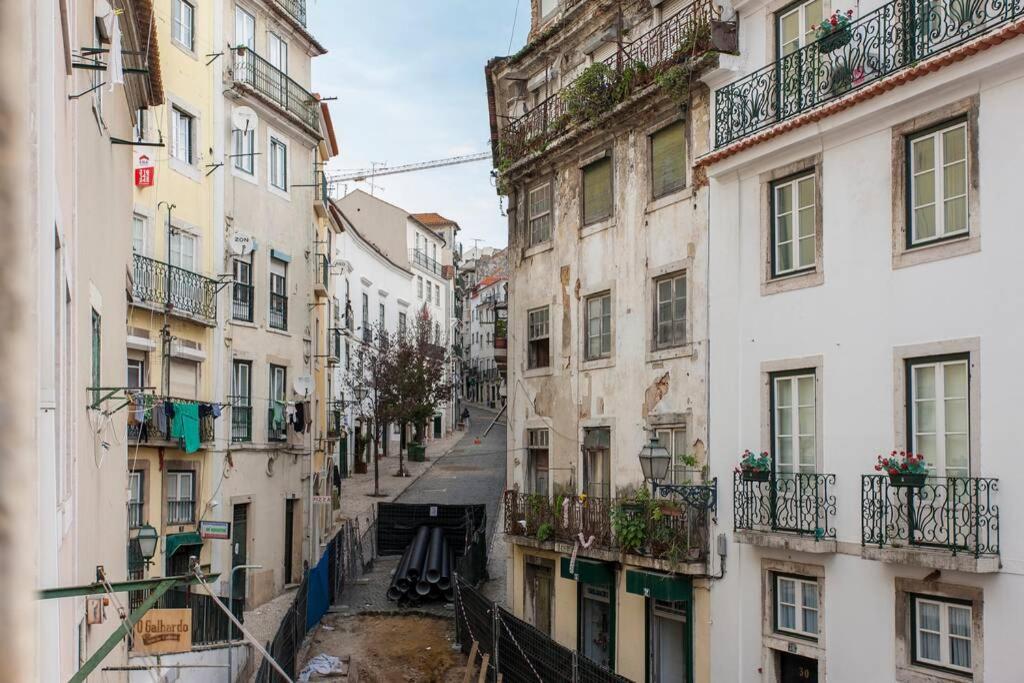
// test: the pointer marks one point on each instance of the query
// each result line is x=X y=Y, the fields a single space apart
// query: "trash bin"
x=417 y=452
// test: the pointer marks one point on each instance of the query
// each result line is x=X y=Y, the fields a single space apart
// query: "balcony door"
x=245 y=34
x=794 y=450
x=797 y=69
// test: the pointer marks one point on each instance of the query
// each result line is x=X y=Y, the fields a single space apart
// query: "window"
x=793 y=422
x=668 y=159
x=183 y=23
x=366 y=317
x=241 y=401
x=419 y=286
x=793 y=225
x=97 y=350
x=242 y=291
x=794 y=26
x=139 y=128
x=278 y=294
x=668 y=641
x=382 y=317
x=401 y=324
x=670 y=311
x=183 y=136
x=437 y=294
x=136 y=373
x=278 y=392
x=796 y=606
x=277 y=52
x=140 y=228
x=244 y=144
x=596 y=633
x=348 y=356
x=537 y=461
x=183 y=250
x=278 y=164
x=539 y=204
x=181 y=504
x=938 y=413
x=599 y=326
x=136 y=518
x=538 y=336
x=942 y=633
x=597 y=191
x=937 y=184
x=245 y=28
x=597 y=462
x=674 y=440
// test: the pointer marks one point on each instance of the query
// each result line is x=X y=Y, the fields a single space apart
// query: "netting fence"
x=518 y=651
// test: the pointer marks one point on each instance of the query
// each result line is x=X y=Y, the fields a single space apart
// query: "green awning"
x=176 y=542
x=659 y=586
x=586 y=571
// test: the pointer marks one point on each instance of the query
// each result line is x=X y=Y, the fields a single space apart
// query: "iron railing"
x=794 y=503
x=241 y=302
x=278 y=311
x=241 y=418
x=958 y=514
x=334 y=420
x=334 y=345
x=135 y=514
x=897 y=35
x=156 y=428
x=277 y=429
x=270 y=82
x=296 y=8
x=181 y=511
x=682 y=36
x=679 y=532
x=159 y=283
x=420 y=258
x=323 y=270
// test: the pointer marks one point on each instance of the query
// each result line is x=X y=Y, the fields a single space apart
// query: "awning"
x=586 y=571
x=659 y=586
x=176 y=542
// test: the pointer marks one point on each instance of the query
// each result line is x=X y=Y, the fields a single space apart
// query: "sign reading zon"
x=162 y=632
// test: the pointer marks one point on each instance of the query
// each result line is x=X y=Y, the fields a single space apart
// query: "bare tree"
x=371 y=381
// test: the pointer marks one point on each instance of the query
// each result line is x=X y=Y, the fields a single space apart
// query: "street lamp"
x=654 y=461
x=147 y=537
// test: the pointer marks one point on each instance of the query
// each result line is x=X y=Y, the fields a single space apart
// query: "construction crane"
x=368 y=173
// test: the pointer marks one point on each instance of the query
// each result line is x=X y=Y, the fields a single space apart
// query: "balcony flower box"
x=751 y=475
x=908 y=480
x=905 y=469
x=834 y=32
x=755 y=467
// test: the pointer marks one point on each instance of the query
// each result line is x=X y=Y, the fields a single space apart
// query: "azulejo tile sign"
x=162 y=632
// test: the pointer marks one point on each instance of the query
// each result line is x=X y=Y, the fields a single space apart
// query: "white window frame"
x=938 y=171
x=541 y=218
x=183 y=150
x=277 y=52
x=937 y=461
x=138 y=367
x=673 y=438
x=801 y=586
x=243 y=149
x=241 y=377
x=805 y=34
x=604 y=326
x=796 y=236
x=245 y=28
x=179 y=238
x=183 y=24
x=676 y=278
x=795 y=432
x=419 y=286
x=537 y=440
x=277 y=168
x=944 y=633
x=437 y=294
x=537 y=330
x=140 y=234
x=175 y=479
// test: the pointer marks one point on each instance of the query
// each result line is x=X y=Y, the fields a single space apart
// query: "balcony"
x=323 y=274
x=896 y=36
x=241 y=302
x=278 y=311
x=156 y=431
x=334 y=345
x=334 y=420
x=791 y=511
x=421 y=259
x=241 y=418
x=948 y=523
x=156 y=282
x=295 y=8
x=271 y=83
x=685 y=36
x=676 y=534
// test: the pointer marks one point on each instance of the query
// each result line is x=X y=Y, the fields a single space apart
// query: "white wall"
x=205 y=665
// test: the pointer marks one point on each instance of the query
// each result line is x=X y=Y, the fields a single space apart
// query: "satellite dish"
x=303 y=385
x=241 y=244
x=243 y=118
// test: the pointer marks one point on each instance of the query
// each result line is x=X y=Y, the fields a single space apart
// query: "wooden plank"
x=471 y=663
x=483 y=669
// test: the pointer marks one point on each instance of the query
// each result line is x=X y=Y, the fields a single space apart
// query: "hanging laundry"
x=277 y=420
x=169 y=409
x=216 y=408
x=185 y=426
x=289 y=412
x=205 y=410
x=300 y=417
x=161 y=421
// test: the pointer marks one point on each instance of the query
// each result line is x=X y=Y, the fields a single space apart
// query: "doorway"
x=796 y=669
x=437 y=426
x=289 y=537
x=239 y=548
x=539 y=580
x=669 y=646
x=596 y=630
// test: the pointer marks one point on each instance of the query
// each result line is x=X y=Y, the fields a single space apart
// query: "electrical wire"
x=515 y=18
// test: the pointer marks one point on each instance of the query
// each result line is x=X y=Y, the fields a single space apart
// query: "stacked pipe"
x=425 y=570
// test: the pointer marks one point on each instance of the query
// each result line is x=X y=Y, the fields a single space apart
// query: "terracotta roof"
x=325 y=110
x=487 y=282
x=145 y=22
x=433 y=220
x=874 y=90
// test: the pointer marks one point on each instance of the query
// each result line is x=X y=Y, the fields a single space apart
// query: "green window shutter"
x=586 y=571
x=659 y=586
x=668 y=159
x=597 y=191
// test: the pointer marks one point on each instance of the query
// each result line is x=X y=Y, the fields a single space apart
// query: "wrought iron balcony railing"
x=897 y=35
x=266 y=79
x=241 y=302
x=679 y=532
x=155 y=428
x=323 y=271
x=278 y=311
x=684 y=35
x=241 y=418
x=159 y=283
x=296 y=8
x=957 y=514
x=181 y=511
x=792 y=503
x=421 y=259
x=334 y=420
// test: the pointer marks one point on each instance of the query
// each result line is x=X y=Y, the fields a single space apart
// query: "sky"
x=409 y=78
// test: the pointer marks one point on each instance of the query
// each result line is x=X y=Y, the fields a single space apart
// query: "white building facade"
x=855 y=308
x=484 y=302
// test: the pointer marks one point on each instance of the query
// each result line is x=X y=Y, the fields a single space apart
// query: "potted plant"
x=834 y=32
x=905 y=469
x=755 y=467
x=544 y=531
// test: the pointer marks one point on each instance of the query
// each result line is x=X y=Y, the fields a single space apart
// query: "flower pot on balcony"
x=908 y=480
x=835 y=40
x=754 y=475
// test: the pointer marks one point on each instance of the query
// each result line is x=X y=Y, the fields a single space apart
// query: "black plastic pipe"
x=445 y=582
x=419 y=553
x=400 y=579
x=435 y=555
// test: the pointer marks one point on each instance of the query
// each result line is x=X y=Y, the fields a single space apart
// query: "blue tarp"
x=318 y=595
